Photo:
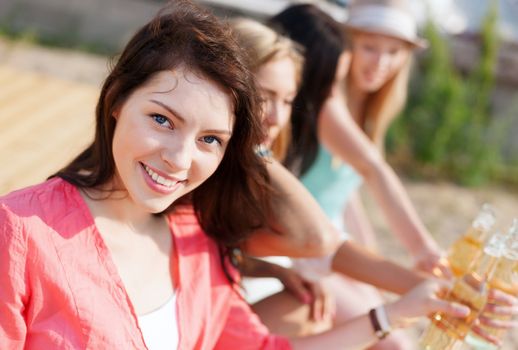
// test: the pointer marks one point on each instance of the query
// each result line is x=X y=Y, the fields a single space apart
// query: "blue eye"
x=210 y=139
x=160 y=119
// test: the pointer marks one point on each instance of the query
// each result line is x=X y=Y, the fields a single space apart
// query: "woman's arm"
x=358 y=333
x=299 y=227
x=358 y=224
x=320 y=301
x=339 y=133
x=357 y=262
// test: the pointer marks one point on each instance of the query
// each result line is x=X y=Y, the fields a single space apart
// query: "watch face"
x=381 y=334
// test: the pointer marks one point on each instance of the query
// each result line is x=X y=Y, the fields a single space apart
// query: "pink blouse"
x=60 y=289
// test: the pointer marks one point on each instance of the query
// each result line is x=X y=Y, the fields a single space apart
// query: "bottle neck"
x=478 y=233
x=485 y=267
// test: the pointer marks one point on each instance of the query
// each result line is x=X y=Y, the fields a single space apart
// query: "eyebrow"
x=272 y=91
x=179 y=116
x=169 y=109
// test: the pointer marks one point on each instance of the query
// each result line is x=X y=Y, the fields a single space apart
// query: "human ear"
x=116 y=113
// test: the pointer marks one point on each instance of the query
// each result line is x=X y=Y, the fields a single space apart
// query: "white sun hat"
x=389 y=17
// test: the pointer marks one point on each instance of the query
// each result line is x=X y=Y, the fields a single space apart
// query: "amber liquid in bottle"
x=468 y=248
x=436 y=338
x=505 y=278
x=447 y=332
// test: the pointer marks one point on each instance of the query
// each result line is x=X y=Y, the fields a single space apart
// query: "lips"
x=159 y=181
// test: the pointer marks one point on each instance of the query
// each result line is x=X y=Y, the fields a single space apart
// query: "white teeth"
x=159 y=179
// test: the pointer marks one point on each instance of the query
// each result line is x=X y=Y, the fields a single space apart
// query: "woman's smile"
x=160 y=182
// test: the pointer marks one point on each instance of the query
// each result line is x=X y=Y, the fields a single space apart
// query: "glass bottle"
x=468 y=248
x=505 y=278
x=447 y=332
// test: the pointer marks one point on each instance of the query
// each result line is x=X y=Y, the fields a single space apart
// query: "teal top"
x=331 y=185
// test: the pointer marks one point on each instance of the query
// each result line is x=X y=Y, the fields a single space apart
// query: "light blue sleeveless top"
x=331 y=185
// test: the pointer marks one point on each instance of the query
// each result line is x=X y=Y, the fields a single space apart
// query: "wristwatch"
x=380 y=322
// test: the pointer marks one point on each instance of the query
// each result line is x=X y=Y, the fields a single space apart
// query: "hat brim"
x=418 y=43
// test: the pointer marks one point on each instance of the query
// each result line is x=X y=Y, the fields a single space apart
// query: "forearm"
x=355 y=334
x=358 y=224
x=340 y=134
x=358 y=263
x=252 y=267
x=398 y=210
x=299 y=227
x=358 y=332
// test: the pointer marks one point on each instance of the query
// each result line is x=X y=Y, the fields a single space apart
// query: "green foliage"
x=447 y=126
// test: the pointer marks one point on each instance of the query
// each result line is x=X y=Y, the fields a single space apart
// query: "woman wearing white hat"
x=383 y=35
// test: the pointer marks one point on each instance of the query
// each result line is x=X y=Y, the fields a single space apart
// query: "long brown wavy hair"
x=234 y=200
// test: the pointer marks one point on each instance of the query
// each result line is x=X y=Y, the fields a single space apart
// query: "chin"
x=156 y=206
x=373 y=87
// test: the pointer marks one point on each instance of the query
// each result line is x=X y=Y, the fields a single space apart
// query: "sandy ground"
x=445 y=208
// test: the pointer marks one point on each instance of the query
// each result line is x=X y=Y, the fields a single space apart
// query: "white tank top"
x=160 y=327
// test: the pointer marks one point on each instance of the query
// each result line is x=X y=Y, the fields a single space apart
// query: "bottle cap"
x=485 y=218
x=496 y=244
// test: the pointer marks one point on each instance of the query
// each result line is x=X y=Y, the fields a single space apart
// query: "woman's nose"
x=272 y=113
x=382 y=59
x=179 y=156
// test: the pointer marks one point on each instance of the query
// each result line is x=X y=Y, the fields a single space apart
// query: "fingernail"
x=462 y=309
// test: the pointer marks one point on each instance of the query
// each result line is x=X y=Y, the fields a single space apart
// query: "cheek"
x=357 y=68
x=398 y=62
x=119 y=143
x=132 y=142
x=285 y=118
x=206 y=165
x=343 y=68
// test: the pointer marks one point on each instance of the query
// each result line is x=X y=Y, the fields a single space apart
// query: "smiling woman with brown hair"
x=94 y=256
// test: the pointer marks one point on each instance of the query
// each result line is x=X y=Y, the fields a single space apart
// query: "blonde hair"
x=385 y=104
x=263 y=45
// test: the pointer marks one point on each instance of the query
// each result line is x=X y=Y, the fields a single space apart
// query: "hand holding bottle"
x=432 y=261
x=423 y=300
x=496 y=315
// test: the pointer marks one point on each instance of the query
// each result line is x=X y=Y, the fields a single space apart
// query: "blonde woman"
x=377 y=84
x=277 y=64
